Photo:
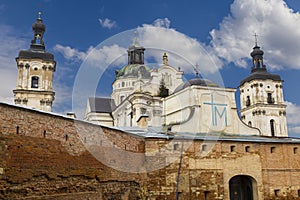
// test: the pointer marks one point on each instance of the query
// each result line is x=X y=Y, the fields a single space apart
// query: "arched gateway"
x=242 y=187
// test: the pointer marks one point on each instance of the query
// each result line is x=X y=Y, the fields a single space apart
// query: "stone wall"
x=47 y=156
x=205 y=174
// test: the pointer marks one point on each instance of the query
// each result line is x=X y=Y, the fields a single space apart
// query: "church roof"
x=157 y=132
x=37 y=46
x=29 y=54
x=133 y=70
x=259 y=70
x=195 y=81
x=101 y=104
x=261 y=74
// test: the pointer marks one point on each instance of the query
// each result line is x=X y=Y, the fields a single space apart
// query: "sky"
x=89 y=41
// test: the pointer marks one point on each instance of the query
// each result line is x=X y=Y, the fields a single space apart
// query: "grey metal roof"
x=260 y=74
x=28 y=54
x=195 y=81
x=157 y=132
x=101 y=104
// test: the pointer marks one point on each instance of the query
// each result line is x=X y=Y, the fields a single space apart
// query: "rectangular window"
x=247 y=148
x=232 y=148
x=272 y=149
x=206 y=195
x=17 y=130
x=270 y=98
x=276 y=193
x=298 y=193
x=176 y=147
x=295 y=150
x=204 y=147
x=34 y=82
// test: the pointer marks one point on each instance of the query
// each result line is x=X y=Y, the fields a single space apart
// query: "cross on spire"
x=39 y=15
x=135 y=40
x=197 y=70
x=255 y=37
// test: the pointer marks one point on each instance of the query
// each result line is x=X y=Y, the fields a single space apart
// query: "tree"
x=163 y=90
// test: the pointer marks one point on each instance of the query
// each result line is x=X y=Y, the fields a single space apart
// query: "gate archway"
x=242 y=187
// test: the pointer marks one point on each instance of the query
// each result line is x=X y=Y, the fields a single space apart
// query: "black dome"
x=261 y=74
x=196 y=81
x=38 y=26
x=256 y=51
x=29 y=54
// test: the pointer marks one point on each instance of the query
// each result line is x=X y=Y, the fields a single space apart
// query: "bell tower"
x=261 y=97
x=35 y=72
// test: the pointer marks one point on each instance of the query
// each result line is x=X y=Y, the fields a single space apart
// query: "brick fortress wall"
x=46 y=156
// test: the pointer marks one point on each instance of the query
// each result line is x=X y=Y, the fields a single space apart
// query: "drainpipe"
x=178 y=173
x=131 y=113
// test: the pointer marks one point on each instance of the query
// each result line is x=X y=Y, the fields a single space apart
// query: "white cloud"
x=94 y=61
x=275 y=25
x=184 y=51
x=70 y=53
x=107 y=23
x=9 y=48
x=162 y=23
x=293 y=117
x=101 y=56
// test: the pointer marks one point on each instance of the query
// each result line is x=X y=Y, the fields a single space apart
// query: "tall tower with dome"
x=35 y=72
x=261 y=97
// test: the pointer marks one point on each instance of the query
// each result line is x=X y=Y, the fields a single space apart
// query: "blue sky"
x=216 y=34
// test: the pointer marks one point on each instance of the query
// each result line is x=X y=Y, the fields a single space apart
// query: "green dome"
x=133 y=70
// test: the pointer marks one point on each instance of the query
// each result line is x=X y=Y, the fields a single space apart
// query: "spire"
x=255 y=36
x=135 y=52
x=258 y=69
x=165 y=59
x=257 y=58
x=135 y=40
x=40 y=15
x=197 y=70
x=38 y=28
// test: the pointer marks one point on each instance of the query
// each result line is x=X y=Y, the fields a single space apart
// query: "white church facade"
x=158 y=97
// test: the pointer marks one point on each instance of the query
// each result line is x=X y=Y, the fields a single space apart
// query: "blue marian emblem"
x=218 y=112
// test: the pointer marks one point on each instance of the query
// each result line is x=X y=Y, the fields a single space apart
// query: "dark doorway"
x=241 y=188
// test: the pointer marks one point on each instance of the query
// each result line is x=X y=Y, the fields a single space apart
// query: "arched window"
x=249 y=123
x=248 y=102
x=272 y=126
x=34 y=82
x=270 y=99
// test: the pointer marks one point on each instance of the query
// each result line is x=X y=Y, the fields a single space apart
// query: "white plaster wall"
x=32 y=97
x=260 y=112
x=200 y=98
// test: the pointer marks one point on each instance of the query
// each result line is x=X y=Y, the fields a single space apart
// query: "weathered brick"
x=40 y=162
